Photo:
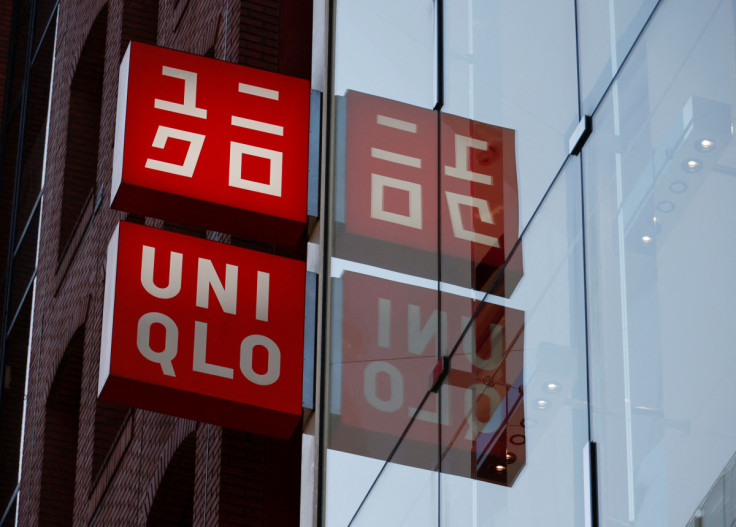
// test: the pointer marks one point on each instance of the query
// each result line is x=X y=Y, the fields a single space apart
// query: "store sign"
x=391 y=333
x=395 y=166
x=203 y=330
x=211 y=144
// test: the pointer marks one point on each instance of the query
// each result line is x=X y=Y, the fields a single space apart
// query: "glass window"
x=513 y=64
x=387 y=48
x=383 y=340
x=606 y=33
x=405 y=492
x=659 y=178
x=427 y=213
x=524 y=421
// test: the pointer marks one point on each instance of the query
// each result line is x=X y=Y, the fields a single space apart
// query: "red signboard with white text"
x=211 y=144
x=391 y=334
x=410 y=171
x=203 y=330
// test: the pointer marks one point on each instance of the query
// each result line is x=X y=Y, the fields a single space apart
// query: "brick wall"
x=130 y=465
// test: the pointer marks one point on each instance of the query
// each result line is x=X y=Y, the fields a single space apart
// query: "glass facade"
x=658 y=170
x=518 y=335
x=528 y=269
x=28 y=45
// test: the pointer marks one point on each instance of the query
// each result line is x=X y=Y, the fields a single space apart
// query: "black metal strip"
x=440 y=56
x=322 y=429
x=22 y=236
x=594 y=484
x=11 y=502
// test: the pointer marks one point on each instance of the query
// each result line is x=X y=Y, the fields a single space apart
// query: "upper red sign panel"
x=211 y=144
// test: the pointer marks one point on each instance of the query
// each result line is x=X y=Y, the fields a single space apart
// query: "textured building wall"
x=123 y=462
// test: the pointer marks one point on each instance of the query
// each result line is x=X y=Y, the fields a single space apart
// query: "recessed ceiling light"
x=705 y=145
x=692 y=165
x=646 y=239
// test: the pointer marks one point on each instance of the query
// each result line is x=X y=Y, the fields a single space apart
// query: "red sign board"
x=399 y=178
x=390 y=335
x=203 y=330
x=211 y=144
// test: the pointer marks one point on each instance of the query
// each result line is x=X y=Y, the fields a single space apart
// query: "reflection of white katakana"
x=454 y=201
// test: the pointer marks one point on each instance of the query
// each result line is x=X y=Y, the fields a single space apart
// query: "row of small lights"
x=542 y=404
x=510 y=458
x=691 y=165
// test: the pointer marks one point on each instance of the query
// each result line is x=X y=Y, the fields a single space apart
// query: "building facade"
x=523 y=244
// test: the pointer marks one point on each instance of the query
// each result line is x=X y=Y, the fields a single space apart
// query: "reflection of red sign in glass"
x=389 y=349
x=211 y=144
x=203 y=330
x=391 y=176
x=478 y=194
x=392 y=180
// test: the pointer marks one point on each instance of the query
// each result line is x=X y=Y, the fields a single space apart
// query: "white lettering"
x=257 y=91
x=200 y=363
x=462 y=146
x=399 y=159
x=236 y=179
x=246 y=360
x=453 y=202
x=419 y=336
x=397 y=124
x=189 y=106
x=186 y=169
x=384 y=322
x=262 y=290
x=207 y=277
x=495 y=343
x=432 y=416
x=414 y=219
x=174 y=285
x=143 y=340
x=396 y=399
x=472 y=397
x=258 y=126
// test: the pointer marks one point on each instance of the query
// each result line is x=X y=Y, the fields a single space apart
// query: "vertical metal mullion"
x=440 y=102
x=590 y=458
x=439 y=14
x=324 y=289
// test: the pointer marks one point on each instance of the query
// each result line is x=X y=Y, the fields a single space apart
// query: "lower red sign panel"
x=203 y=330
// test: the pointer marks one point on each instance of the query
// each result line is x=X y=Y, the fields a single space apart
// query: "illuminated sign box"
x=211 y=144
x=386 y=355
x=409 y=171
x=203 y=330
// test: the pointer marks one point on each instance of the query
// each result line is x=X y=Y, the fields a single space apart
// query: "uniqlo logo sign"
x=203 y=330
x=211 y=144
x=394 y=172
x=391 y=333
